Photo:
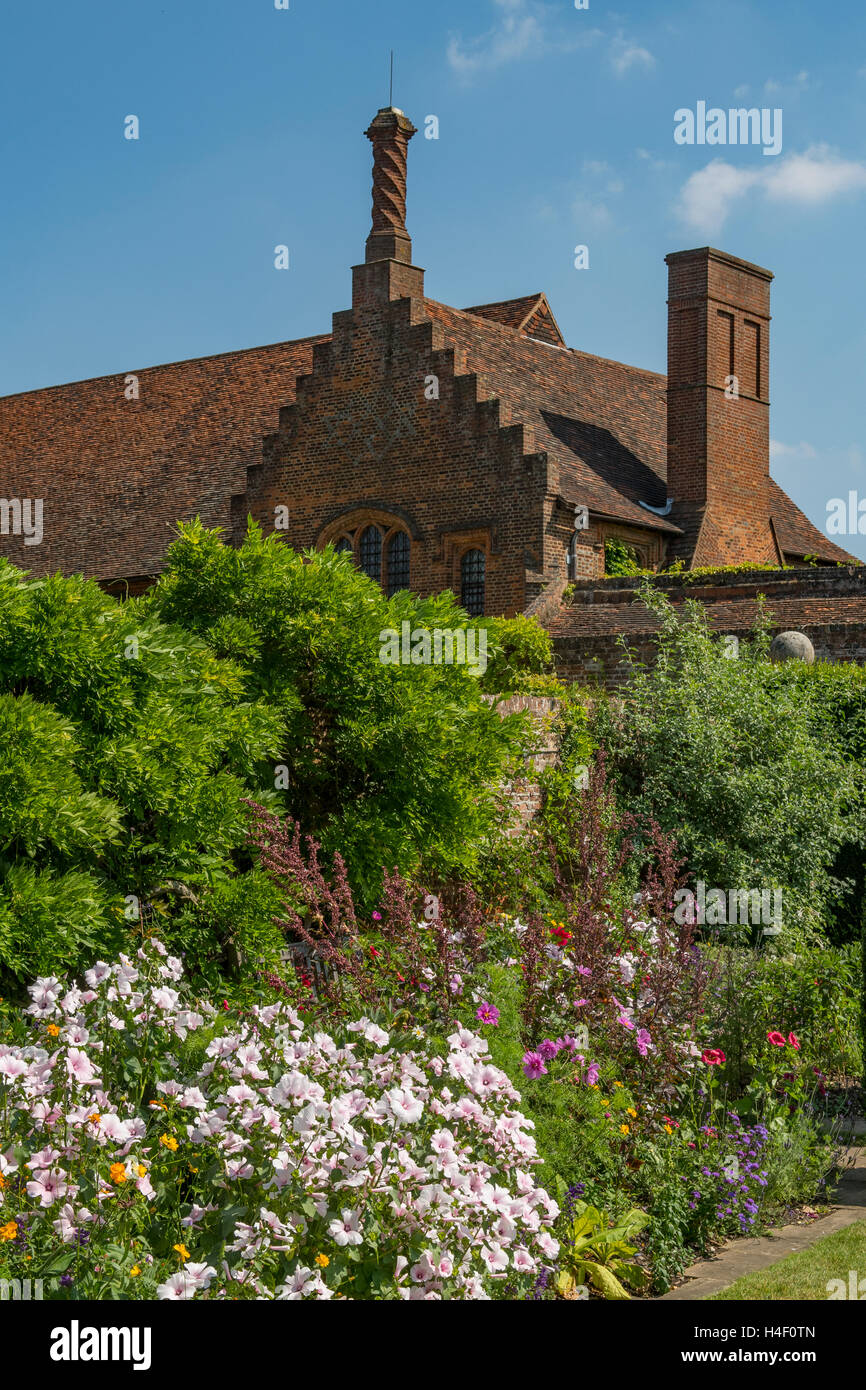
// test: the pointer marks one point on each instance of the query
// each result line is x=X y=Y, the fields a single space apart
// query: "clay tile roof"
x=602 y=424
x=115 y=474
x=797 y=536
x=531 y=315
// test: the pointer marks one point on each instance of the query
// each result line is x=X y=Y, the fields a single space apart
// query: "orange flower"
x=94 y=1119
x=182 y=1251
x=118 y=1173
x=168 y=1141
x=52 y=1030
x=9 y=1231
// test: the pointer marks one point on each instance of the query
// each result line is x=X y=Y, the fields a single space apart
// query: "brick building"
x=461 y=448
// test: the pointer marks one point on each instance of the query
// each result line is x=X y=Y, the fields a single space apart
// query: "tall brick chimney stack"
x=388 y=272
x=718 y=408
x=390 y=134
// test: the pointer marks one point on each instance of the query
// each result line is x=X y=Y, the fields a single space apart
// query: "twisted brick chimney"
x=388 y=272
x=390 y=134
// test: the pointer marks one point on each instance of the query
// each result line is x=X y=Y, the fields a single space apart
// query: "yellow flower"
x=2 y=1182
x=135 y=1271
x=182 y=1251
x=141 y=1170
x=322 y=1261
x=118 y=1173
x=94 y=1119
x=9 y=1231
x=631 y=1111
x=668 y=1128
x=168 y=1141
x=52 y=1030
x=619 y=1084
x=623 y=1129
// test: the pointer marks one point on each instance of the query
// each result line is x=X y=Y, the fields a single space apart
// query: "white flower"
x=347 y=1230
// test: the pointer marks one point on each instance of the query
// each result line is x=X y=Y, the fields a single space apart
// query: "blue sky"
x=556 y=128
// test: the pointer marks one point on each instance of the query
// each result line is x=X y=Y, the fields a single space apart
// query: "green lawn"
x=807 y=1274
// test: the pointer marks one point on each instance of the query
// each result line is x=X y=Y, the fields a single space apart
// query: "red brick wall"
x=363 y=442
x=719 y=448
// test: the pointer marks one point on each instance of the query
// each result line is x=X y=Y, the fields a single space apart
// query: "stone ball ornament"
x=792 y=646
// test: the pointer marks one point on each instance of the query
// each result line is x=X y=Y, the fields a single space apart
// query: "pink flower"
x=579 y=1003
x=533 y=1065
x=548 y=1049
x=644 y=1042
x=777 y=1039
x=794 y=1041
x=625 y=1021
x=584 y=970
x=488 y=1013
x=377 y=916
x=713 y=1057
x=592 y=1072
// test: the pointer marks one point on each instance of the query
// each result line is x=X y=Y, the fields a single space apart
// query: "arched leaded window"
x=472 y=573
x=344 y=543
x=370 y=553
x=398 y=563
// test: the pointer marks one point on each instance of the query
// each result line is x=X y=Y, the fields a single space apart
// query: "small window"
x=472 y=573
x=370 y=553
x=398 y=563
x=572 y=555
x=343 y=544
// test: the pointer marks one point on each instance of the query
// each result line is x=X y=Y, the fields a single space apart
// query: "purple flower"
x=488 y=1013
x=584 y=970
x=592 y=1072
x=548 y=1049
x=533 y=1065
x=644 y=1042
x=66 y=1280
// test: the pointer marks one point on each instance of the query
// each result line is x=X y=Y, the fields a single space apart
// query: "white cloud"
x=707 y=198
x=741 y=91
x=815 y=177
x=524 y=29
x=780 y=452
x=625 y=54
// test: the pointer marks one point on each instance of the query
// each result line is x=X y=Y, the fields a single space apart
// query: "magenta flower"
x=584 y=970
x=777 y=1039
x=548 y=1049
x=579 y=1003
x=488 y=1013
x=377 y=916
x=592 y=1072
x=644 y=1042
x=533 y=1065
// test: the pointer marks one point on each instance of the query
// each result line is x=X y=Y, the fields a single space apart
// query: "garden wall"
x=828 y=604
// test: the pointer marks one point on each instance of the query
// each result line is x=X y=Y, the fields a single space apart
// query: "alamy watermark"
x=441 y=647
x=739 y=906
x=854 y=1289
x=25 y=516
x=846 y=518
x=736 y=126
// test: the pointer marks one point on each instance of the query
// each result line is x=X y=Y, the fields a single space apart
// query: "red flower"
x=793 y=1041
x=713 y=1057
x=777 y=1039
x=374 y=952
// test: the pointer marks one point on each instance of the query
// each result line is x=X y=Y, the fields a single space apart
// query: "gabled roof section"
x=116 y=474
x=532 y=316
x=796 y=534
x=602 y=424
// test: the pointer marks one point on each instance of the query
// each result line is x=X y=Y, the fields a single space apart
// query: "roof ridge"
x=178 y=362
